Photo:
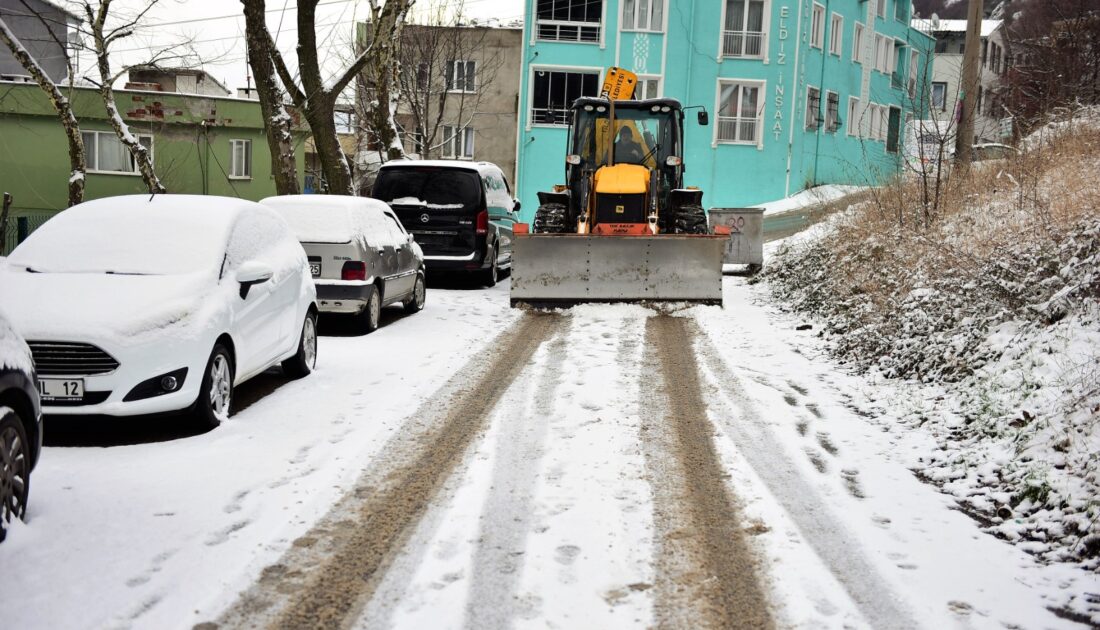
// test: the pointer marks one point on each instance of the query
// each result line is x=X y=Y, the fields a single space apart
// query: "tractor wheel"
x=551 y=218
x=690 y=219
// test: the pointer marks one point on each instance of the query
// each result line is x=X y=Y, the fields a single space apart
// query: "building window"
x=853 y=113
x=901 y=10
x=423 y=75
x=648 y=87
x=105 y=153
x=941 y=47
x=345 y=122
x=813 y=108
x=458 y=143
x=873 y=112
x=832 y=112
x=914 y=73
x=461 y=76
x=939 y=95
x=882 y=8
x=882 y=54
x=740 y=109
x=240 y=159
x=743 y=34
x=553 y=93
x=836 y=34
x=817 y=28
x=892 y=133
x=857 y=43
x=883 y=122
x=643 y=15
x=570 y=20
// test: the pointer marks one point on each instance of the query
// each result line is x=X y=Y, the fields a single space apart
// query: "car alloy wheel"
x=420 y=293
x=221 y=387
x=374 y=310
x=14 y=468
x=309 y=342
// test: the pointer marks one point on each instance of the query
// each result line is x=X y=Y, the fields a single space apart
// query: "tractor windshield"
x=645 y=136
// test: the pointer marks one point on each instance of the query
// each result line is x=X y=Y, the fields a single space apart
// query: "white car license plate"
x=61 y=388
x=315 y=269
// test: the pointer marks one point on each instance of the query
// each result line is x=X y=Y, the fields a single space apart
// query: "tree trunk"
x=61 y=106
x=277 y=121
x=103 y=64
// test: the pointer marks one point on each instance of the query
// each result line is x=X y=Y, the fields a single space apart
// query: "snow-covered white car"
x=138 y=305
x=360 y=255
x=20 y=424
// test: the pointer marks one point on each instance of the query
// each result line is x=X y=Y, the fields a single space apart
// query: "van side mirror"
x=704 y=118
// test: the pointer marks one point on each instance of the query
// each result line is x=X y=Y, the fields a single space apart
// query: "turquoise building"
x=800 y=92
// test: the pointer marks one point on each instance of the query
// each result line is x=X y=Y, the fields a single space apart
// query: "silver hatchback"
x=361 y=257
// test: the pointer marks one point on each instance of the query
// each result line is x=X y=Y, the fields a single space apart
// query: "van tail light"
x=483 y=222
x=354 y=270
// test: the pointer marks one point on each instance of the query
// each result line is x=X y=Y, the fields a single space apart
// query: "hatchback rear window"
x=434 y=187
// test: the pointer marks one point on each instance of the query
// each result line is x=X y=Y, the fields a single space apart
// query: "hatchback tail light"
x=483 y=222
x=354 y=270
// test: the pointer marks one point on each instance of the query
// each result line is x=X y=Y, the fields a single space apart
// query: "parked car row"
x=145 y=305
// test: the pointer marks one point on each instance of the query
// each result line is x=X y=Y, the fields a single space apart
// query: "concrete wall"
x=36 y=37
x=685 y=54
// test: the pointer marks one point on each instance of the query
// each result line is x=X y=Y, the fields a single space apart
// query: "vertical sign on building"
x=780 y=86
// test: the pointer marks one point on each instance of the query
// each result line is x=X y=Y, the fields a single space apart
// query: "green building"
x=201 y=144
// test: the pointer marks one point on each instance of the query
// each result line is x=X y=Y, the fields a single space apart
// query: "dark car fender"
x=18 y=391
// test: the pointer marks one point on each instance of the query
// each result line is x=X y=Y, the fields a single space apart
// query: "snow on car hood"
x=14 y=353
x=122 y=310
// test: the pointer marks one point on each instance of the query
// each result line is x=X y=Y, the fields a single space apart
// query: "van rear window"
x=437 y=187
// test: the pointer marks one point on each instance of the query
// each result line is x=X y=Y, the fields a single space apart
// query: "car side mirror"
x=250 y=273
x=515 y=205
x=704 y=118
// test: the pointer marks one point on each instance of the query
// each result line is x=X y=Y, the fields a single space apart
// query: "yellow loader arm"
x=619 y=84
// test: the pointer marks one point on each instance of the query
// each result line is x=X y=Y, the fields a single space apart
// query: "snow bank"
x=809 y=197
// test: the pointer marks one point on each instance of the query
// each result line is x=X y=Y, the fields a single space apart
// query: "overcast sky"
x=217 y=29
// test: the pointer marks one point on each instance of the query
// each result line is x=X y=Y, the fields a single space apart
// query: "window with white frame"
x=643 y=15
x=853 y=116
x=461 y=75
x=345 y=122
x=240 y=159
x=743 y=32
x=553 y=93
x=569 y=20
x=832 y=112
x=648 y=87
x=882 y=53
x=857 y=42
x=813 y=107
x=872 y=111
x=458 y=143
x=914 y=72
x=740 y=112
x=105 y=153
x=817 y=27
x=881 y=8
x=939 y=95
x=836 y=34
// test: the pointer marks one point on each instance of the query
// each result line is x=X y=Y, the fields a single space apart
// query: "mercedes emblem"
x=424 y=218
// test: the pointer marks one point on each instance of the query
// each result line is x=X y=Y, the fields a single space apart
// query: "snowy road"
x=471 y=466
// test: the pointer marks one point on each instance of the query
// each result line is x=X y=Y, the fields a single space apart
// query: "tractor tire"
x=551 y=218
x=690 y=220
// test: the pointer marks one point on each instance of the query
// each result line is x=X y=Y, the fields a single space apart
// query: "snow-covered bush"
x=997 y=299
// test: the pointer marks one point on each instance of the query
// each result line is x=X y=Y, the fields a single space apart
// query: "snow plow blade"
x=551 y=270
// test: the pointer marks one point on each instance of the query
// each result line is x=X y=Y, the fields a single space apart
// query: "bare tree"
x=62 y=104
x=278 y=121
x=447 y=66
x=382 y=88
x=103 y=37
x=315 y=97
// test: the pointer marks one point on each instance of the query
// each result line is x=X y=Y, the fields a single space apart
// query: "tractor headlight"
x=673 y=160
x=573 y=159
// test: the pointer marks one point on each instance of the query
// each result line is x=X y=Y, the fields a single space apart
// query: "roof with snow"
x=954 y=26
x=480 y=167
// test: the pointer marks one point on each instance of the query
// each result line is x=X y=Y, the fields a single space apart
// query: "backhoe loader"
x=623 y=228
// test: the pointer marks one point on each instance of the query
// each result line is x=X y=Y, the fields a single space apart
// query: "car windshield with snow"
x=360 y=256
x=138 y=305
x=460 y=212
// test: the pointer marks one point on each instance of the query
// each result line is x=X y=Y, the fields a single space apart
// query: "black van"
x=461 y=213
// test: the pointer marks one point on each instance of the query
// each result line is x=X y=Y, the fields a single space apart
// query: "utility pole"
x=964 y=131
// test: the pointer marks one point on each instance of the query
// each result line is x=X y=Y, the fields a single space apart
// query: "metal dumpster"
x=746 y=241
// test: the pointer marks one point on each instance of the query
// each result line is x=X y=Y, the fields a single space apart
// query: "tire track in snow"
x=330 y=572
x=838 y=548
x=706 y=571
x=508 y=510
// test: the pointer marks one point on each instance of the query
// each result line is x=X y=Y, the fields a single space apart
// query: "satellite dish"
x=935 y=20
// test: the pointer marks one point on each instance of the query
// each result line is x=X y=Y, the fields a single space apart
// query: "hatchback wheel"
x=372 y=312
x=415 y=303
x=216 y=393
x=303 y=362
x=14 y=468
